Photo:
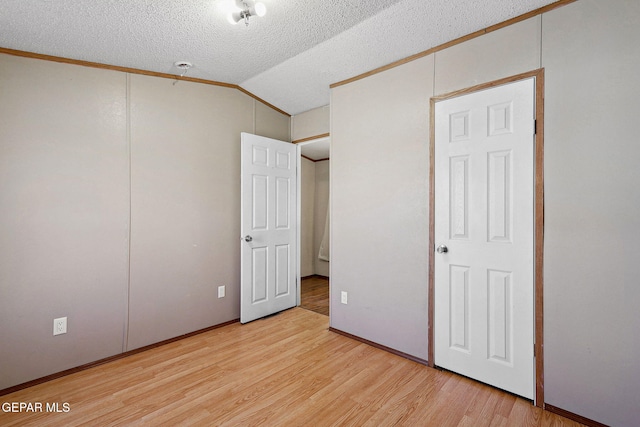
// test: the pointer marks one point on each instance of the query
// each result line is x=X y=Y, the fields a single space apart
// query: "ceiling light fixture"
x=246 y=9
x=182 y=66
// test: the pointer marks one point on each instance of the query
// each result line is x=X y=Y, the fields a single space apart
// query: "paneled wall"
x=310 y=123
x=512 y=50
x=270 y=123
x=307 y=217
x=315 y=191
x=591 y=56
x=379 y=145
x=185 y=206
x=379 y=203
x=379 y=181
x=321 y=204
x=315 y=200
x=119 y=209
x=64 y=216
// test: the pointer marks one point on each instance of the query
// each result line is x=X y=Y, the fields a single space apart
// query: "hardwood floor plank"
x=286 y=370
x=314 y=294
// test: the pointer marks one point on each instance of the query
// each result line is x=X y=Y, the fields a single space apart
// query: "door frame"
x=538 y=232
x=299 y=143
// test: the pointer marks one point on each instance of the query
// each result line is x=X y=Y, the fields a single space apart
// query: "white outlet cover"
x=220 y=291
x=60 y=326
x=343 y=297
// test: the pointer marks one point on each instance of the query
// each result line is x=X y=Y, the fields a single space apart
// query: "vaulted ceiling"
x=288 y=57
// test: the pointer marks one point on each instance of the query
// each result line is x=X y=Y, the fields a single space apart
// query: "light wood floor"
x=286 y=370
x=314 y=294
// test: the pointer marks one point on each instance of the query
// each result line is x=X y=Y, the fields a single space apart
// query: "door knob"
x=442 y=249
x=248 y=238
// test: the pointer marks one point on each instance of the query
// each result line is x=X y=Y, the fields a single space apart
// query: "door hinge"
x=535 y=127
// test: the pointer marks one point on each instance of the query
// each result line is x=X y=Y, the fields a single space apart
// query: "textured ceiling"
x=288 y=58
x=316 y=150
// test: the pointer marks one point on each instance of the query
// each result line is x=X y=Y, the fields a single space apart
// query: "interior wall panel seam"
x=125 y=338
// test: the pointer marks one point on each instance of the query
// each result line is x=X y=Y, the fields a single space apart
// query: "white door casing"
x=269 y=227
x=484 y=215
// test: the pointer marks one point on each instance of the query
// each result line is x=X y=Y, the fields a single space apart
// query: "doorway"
x=314 y=225
x=480 y=307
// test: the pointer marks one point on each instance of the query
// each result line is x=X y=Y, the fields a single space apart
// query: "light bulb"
x=234 y=18
x=260 y=9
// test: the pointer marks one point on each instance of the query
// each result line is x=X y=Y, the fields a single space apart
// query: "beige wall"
x=307 y=125
x=307 y=217
x=591 y=56
x=310 y=123
x=64 y=216
x=185 y=206
x=379 y=203
x=321 y=267
x=315 y=199
x=512 y=50
x=270 y=123
x=379 y=182
x=104 y=173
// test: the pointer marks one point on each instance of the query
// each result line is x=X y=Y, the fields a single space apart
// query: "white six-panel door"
x=484 y=216
x=269 y=227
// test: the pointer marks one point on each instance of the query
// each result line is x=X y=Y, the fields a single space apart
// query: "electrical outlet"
x=60 y=326
x=220 y=291
x=343 y=297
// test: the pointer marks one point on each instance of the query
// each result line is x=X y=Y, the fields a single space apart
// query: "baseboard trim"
x=380 y=346
x=573 y=417
x=315 y=276
x=110 y=359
